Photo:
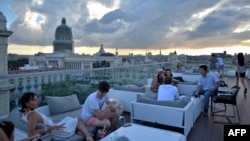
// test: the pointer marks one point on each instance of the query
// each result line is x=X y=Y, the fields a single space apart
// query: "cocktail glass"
x=101 y=133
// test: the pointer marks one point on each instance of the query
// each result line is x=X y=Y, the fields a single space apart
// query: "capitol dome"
x=63 y=31
x=3 y=21
x=63 y=38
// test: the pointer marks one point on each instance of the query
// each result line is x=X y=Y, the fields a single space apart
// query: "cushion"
x=74 y=113
x=15 y=117
x=189 y=82
x=149 y=99
x=186 y=98
x=132 y=88
x=62 y=104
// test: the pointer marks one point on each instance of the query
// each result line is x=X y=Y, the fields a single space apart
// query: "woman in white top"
x=241 y=70
x=167 y=91
x=65 y=128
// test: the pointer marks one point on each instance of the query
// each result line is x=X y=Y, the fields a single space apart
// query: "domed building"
x=64 y=57
x=102 y=52
x=63 y=38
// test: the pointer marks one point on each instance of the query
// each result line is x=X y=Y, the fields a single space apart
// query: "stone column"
x=4 y=84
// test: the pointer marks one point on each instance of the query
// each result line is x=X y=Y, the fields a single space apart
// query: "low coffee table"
x=137 y=132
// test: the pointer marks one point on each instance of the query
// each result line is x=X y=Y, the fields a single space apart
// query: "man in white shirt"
x=94 y=113
x=208 y=84
x=167 y=91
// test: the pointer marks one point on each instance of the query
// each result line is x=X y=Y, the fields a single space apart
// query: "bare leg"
x=242 y=79
x=81 y=127
x=114 y=122
x=237 y=80
x=106 y=123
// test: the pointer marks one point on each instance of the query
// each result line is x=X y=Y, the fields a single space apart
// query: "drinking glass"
x=101 y=133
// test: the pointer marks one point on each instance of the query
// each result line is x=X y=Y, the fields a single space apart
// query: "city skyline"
x=187 y=27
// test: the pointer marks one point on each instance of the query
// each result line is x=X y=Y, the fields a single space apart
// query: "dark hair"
x=241 y=59
x=167 y=80
x=170 y=71
x=203 y=67
x=167 y=69
x=159 y=78
x=8 y=128
x=103 y=86
x=26 y=98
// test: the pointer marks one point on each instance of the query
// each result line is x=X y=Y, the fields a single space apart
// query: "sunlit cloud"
x=242 y=28
x=134 y=24
x=97 y=10
x=34 y=20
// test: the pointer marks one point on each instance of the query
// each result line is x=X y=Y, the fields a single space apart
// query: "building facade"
x=4 y=85
x=64 y=57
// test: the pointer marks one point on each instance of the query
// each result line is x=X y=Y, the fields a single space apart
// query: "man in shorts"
x=94 y=113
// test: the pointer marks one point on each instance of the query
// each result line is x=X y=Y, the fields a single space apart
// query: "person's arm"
x=31 y=138
x=246 y=64
x=33 y=119
x=216 y=86
x=177 y=95
x=3 y=136
x=105 y=113
x=154 y=84
x=102 y=114
x=197 y=90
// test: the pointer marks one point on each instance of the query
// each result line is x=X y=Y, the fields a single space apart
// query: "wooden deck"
x=205 y=129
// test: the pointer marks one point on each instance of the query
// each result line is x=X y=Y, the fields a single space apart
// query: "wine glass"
x=102 y=133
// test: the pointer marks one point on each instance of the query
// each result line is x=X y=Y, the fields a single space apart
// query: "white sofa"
x=124 y=97
x=71 y=108
x=180 y=117
x=188 y=88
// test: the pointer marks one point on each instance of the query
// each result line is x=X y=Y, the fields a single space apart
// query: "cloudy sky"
x=183 y=25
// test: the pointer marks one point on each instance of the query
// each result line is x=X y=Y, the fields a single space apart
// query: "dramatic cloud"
x=138 y=24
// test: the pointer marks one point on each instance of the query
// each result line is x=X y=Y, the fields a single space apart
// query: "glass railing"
x=80 y=82
x=59 y=82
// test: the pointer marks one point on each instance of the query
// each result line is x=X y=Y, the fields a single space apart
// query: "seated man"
x=208 y=84
x=94 y=114
x=167 y=91
x=181 y=68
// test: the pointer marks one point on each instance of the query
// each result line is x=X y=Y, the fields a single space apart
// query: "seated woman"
x=170 y=74
x=65 y=128
x=167 y=91
x=7 y=132
x=158 y=80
